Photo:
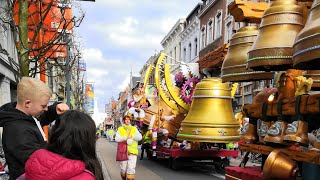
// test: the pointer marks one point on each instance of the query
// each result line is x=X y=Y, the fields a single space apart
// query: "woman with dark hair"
x=71 y=151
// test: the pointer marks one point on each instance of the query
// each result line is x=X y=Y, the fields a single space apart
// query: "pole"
x=68 y=73
x=159 y=116
x=42 y=65
x=242 y=96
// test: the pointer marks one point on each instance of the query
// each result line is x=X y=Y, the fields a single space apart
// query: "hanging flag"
x=89 y=94
x=82 y=66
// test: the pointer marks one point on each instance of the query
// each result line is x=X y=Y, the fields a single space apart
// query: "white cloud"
x=124 y=83
x=167 y=6
x=109 y=75
x=128 y=33
x=116 y=3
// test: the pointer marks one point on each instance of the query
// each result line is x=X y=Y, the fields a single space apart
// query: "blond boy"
x=22 y=123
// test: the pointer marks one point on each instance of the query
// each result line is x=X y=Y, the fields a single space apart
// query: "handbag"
x=122 y=150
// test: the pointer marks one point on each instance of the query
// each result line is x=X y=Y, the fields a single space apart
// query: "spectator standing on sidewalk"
x=111 y=134
x=131 y=135
x=22 y=123
x=71 y=152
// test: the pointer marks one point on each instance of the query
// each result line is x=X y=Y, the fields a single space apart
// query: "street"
x=148 y=169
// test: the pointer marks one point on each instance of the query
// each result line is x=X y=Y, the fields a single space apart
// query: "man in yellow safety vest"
x=146 y=141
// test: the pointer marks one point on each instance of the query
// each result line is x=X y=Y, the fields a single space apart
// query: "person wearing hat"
x=131 y=135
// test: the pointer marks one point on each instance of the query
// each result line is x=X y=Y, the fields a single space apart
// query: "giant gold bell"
x=210 y=118
x=307 y=45
x=273 y=48
x=234 y=65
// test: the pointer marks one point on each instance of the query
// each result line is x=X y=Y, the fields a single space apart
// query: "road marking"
x=219 y=176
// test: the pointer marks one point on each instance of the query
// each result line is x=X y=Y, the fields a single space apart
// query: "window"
x=170 y=56
x=185 y=54
x=247 y=89
x=175 y=53
x=190 y=51
x=261 y=84
x=218 y=25
x=196 y=47
x=203 y=38
x=229 y=32
x=227 y=4
x=210 y=31
x=179 y=52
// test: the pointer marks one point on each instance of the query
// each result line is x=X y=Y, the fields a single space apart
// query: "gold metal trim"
x=173 y=93
x=171 y=104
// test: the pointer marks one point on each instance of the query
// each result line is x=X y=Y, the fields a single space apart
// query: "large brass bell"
x=210 y=118
x=307 y=46
x=234 y=65
x=279 y=166
x=279 y=27
x=172 y=125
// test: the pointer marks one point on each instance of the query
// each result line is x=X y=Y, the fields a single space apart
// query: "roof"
x=214 y=58
x=180 y=21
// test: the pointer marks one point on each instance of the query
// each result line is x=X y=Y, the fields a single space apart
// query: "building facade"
x=151 y=79
x=171 y=43
x=190 y=36
x=9 y=67
x=212 y=25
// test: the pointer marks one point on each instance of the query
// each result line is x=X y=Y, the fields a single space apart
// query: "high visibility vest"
x=146 y=138
x=111 y=132
x=123 y=131
x=230 y=145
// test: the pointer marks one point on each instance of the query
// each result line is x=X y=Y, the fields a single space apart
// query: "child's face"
x=37 y=106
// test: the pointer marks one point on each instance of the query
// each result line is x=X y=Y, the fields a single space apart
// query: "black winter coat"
x=21 y=136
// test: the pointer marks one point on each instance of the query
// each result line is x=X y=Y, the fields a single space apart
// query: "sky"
x=119 y=36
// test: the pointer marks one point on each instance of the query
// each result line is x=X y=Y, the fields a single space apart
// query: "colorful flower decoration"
x=179 y=79
x=188 y=88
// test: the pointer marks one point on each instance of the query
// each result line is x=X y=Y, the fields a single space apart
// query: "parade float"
x=191 y=119
x=286 y=44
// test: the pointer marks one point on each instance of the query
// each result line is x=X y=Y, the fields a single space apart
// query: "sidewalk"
x=102 y=160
